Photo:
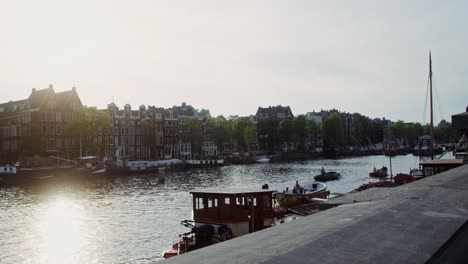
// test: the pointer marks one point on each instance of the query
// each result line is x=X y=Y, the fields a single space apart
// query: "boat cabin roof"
x=442 y=162
x=233 y=191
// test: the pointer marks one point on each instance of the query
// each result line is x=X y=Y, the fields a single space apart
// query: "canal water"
x=133 y=219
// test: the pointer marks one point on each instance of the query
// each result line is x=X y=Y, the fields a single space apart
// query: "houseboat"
x=220 y=215
x=132 y=167
x=204 y=163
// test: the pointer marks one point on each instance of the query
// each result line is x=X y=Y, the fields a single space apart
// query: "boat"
x=299 y=195
x=132 y=167
x=262 y=160
x=380 y=173
x=402 y=178
x=328 y=176
x=204 y=163
x=416 y=173
x=220 y=215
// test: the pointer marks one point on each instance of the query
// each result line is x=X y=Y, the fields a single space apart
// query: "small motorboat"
x=416 y=173
x=300 y=194
x=380 y=173
x=328 y=176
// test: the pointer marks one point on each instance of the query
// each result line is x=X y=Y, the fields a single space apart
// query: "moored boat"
x=402 y=178
x=299 y=194
x=141 y=166
x=416 y=173
x=380 y=173
x=220 y=215
x=204 y=163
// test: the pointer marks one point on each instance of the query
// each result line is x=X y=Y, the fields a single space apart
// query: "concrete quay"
x=424 y=221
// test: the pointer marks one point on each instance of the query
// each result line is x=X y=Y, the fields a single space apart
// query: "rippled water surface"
x=133 y=219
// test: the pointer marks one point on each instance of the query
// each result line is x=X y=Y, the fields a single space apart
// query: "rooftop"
x=233 y=191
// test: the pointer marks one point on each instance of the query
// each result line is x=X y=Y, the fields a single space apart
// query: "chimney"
x=74 y=88
x=51 y=86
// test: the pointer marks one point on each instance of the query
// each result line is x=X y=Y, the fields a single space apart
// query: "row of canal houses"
x=50 y=111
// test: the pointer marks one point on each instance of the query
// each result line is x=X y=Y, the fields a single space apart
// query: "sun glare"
x=61 y=239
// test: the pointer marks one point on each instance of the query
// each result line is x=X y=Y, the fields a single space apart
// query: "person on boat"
x=323 y=171
x=297 y=186
x=375 y=169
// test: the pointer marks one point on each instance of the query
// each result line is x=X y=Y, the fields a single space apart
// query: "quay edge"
x=413 y=223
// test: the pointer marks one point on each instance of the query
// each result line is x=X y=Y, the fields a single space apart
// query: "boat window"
x=227 y=200
x=199 y=203
x=266 y=201
x=212 y=202
x=4 y=169
x=254 y=201
x=240 y=201
x=11 y=169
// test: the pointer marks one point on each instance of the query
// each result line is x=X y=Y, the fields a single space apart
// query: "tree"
x=286 y=131
x=205 y=113
x=364 y=129
x=222 y=131
x=445 y=132
x=398 y=129
x=313 y=130
x=332 y=131
x=250 y=136
x=300 y=130
x=414 y=132
x=238 y=129
x=86 y=124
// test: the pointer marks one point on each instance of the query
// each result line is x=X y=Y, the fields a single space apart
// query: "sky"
x=231 y=57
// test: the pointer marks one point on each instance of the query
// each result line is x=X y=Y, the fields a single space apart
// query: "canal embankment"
x=414 y=223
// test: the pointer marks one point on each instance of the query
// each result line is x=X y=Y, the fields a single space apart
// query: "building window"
x=58 y=116
x=52 y=130
x=51 y=104
x=51 y=143
x=44 y=130
x=66 y=116
x=58 y=130
x=44 y=116
x=52 y=116
x=58 y=143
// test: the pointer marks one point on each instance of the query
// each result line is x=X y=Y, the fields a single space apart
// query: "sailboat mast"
x=431 y=128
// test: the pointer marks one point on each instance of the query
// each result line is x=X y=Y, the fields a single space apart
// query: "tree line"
x=237 y=133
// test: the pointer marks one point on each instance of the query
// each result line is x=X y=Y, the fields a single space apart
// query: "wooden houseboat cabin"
x=242 y=210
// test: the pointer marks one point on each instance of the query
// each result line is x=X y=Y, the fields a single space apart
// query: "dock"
x=423 y=221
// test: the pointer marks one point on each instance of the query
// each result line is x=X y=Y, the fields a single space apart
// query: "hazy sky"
x=369 y=57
